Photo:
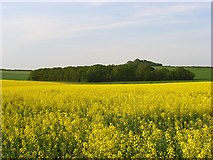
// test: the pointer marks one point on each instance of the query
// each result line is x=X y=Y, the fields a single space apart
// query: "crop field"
x=201 y=73
x=56 y=120
x=14 y=74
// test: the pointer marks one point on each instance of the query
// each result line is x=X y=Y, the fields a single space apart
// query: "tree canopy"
x=137 y=70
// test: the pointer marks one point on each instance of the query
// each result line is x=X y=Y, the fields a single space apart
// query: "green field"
x=201 y=74
x=14 y=74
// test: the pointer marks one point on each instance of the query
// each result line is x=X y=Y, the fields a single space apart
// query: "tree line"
x=138 y=70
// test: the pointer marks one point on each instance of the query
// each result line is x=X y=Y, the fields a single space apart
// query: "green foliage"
x=78 y=74
x=138 y=62
x=138 y=70
x=182 y=74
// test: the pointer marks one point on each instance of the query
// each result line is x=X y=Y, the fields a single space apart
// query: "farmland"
x=14 y=74
x=56 y=120
x=201 y=73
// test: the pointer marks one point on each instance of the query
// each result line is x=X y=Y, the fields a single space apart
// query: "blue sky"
x=39 y=35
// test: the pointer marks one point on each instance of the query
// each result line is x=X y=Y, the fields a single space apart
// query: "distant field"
x=14 y=75
x=201 y=74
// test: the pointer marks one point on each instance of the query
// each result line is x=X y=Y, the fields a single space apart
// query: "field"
x=201 y=74
x=14 y=74
x=50 y=120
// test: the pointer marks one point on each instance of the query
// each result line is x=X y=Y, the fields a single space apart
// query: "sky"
x=38 y=35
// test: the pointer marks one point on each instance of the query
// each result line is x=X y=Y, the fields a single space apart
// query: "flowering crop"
x=56 y=120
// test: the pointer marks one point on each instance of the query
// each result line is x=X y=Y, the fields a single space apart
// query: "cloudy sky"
x=36 y=35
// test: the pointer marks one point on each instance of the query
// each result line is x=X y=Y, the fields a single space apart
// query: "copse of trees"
x=138 y=70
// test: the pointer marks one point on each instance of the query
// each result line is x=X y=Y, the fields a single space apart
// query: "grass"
x=14 y=74
x=201 y=74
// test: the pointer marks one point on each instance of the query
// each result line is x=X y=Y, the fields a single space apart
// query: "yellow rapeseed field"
x=56 y=120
